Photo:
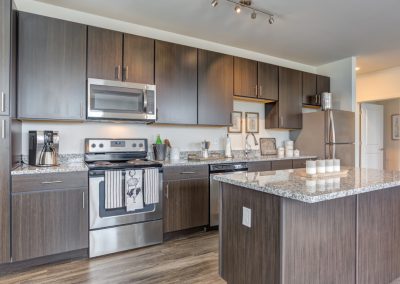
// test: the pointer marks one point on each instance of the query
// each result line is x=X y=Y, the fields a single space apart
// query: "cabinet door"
x=138 y=59
x=282 y=165
x=323 y=84
x=259 y=166
x=245 y=77
x=176 y=80
x=215 y=88
x=309 y=87
x=268 y=81
x=104 y=54
x=51 y=68
x=49 y=222
x=4 y=189
x=290 y=98
x=185 y=204
x=5 y=27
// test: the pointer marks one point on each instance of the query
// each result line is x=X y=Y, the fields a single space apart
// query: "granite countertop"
x=62 y=168
x=289 y=184
x=230 y=160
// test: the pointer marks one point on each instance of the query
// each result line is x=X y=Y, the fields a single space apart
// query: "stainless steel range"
x=125 y=193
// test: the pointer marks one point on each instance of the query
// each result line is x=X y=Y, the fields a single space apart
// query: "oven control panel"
x=115 y=145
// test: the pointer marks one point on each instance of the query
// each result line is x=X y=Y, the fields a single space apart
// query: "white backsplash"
x=186 y=138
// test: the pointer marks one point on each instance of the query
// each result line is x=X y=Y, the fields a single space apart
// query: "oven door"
x=99 y=217
x=120 y=100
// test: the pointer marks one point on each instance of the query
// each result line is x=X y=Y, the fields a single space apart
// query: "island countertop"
x=289 y=184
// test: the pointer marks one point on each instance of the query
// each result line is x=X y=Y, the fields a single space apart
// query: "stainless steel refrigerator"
x=328 y=134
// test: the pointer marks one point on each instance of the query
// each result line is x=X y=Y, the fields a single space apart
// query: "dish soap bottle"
x=158 y=140
x=228 y=147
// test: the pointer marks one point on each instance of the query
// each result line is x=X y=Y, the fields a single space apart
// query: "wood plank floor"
x=193 y=259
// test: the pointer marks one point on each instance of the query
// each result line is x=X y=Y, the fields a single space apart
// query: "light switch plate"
x=246 y=220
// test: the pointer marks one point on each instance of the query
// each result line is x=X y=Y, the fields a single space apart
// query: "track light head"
x=271 y=20
x=214 y=3
x=254 y=15
x=237 y=9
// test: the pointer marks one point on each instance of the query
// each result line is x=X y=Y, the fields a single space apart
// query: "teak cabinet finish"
x=5 y=149
x=176 y=80
x=5 y=52
x=104 y=54
x=268 y=81
x=186 y=198
x=287 y=113
x=323 y=84
x=51 y=68
x=47 y=223
x=215 y=88
x=245 y=77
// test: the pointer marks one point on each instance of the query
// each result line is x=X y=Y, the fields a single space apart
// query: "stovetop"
x=131 y=164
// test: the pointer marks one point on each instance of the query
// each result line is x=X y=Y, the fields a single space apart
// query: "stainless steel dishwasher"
x=220 y=169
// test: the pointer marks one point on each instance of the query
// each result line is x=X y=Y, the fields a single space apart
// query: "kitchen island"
x=280 y=227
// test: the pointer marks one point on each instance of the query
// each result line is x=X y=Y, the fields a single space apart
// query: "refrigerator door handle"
x=332 y=129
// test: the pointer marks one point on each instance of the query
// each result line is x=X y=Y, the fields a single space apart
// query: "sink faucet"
x=247 y=146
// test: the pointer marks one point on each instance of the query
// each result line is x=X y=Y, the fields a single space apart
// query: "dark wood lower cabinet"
x=259 y=166
x=5 y=149
x=281 y=165
x=49 y=222
x=185 y=204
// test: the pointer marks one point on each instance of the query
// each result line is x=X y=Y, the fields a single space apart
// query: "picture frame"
x=236 y=118
x=396 y=127
x=252 y=122
x=268 y=146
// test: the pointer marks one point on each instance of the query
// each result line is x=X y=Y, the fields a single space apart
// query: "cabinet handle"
x=52 y=182
x=3 y=129
x=3 y=102
x=126 y=72
x=256 y=91
x=187 y=173
x=83 y=199
x=260 y=91
x=117 y=71
x=281 y=120
x=167 y=191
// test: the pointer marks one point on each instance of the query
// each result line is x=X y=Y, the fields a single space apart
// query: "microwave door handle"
x=144 y=101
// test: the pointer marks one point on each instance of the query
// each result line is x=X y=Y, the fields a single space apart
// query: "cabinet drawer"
x=40 y=182
x=185 y=172
x=259 y=166
x=282 y=165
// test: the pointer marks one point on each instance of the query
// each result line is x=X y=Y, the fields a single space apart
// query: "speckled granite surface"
x=62 y=168
x=233 y=160
x=288 y=184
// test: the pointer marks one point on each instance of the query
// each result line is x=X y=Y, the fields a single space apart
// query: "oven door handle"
x=145 y=101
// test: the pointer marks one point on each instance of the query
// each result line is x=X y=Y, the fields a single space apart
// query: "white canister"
x=289 y=153
x=175 y=154
x=289 y=144
x=336 y=165
x=320 y=166
x=281 y=152
x=296 y=153
x=311 y=167
x=329 y=166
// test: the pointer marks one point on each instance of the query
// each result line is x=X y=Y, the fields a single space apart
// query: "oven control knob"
x=93 y=145
x=134 y=145
x=141 y=145
x=101 y=145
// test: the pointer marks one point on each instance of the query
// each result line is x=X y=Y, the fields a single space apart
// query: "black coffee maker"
x=43 y=148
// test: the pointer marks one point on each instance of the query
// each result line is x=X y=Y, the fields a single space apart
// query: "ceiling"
x=312 y=32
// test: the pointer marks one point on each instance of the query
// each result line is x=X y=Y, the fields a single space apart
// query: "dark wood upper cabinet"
x=138 y=59
x=323 y=84
x=268 y=81
x=245 y=77
x=5 y=149
x=5 y=39
x=287 y=113
x=51 y=68
x=309 y=87
x=104 y=54
x=49 y=222
x=176 y=80
x=215 y=88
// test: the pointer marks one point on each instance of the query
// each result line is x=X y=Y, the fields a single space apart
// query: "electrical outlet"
x=246 y=220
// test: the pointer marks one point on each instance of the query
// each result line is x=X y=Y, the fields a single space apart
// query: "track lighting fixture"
x=237 y=9
x=214 y=3
x=247 y=4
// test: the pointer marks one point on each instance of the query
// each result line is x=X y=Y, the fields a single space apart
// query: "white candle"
x=336 y=165
x=329 y=166
x=321 y=166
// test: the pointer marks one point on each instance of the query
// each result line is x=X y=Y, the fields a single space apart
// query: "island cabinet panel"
x=268 y=82
x=51 y=68
x=319 y=241
x=5 y=149
x=378 y=237
x=104 y=54
x=215 y=88
x=186 y=197
x=138 y=59
x=47 y=223
x=249 y=255
x=259 y=166
x=245 y=77
x=176 y=80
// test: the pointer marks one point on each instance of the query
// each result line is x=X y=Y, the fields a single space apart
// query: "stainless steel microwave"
x=116 y=100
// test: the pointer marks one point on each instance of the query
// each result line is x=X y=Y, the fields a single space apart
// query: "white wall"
x=379 y=85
